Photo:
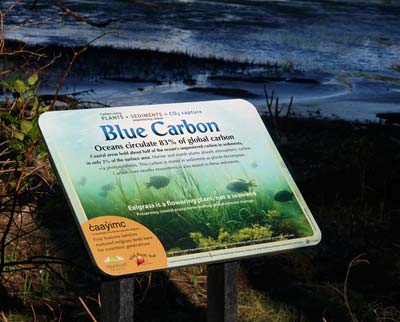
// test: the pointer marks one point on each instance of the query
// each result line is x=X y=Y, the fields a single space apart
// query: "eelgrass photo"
x=226 y=208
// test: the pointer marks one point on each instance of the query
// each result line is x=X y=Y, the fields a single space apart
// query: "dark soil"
x=349 y=175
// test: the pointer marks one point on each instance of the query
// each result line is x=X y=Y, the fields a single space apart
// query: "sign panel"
x=164 y=186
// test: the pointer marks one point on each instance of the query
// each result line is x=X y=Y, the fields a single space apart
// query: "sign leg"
x=117 y=299
x=222 y=292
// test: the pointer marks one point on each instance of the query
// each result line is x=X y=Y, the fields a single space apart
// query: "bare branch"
x=67 y=71
x=21 y=50
x=3 y=316
x=354 y=262
x=269 y=100
x=46 y=260
x=289 y=107
x=87 y=309
x=51 y=62
x=5 y=233
x=10 y=8
x=78 y=17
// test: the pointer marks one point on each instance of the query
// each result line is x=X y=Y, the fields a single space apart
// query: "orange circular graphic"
x=122 y=246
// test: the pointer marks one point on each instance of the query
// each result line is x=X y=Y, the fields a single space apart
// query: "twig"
x=10 y=7
x=56 y=273
x=21 y=51
x=34 y=261
x=87 y=309
x=51 y=309
x=3 y=316
x=28 y=23
x=97 y=301
x=354 y=262
x=34 y=313
x=69 y=68
x=274 y=116
x=4 y=72
x=289 y=107
x=3 y=240
x=25 y=166
x=269 y=100
x=277 y=109
x=146 y=290
x=51 y=62
x=21 y=234
x=78 y=17
x=2 y=32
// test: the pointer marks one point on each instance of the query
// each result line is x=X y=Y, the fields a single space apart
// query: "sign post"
x=117 y=300
x=222 y=292
x=117 y=296
x=165 y=186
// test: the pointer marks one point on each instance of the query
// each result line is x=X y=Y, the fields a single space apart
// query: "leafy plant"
x=22 y=153
x=19 y=116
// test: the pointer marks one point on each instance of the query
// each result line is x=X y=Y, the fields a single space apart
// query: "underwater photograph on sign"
x=163 y=186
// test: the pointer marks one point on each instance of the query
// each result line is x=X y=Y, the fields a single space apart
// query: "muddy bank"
x=118 y=77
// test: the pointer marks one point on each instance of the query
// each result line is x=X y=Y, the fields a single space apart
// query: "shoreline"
x=119 y=77
x=136 y=52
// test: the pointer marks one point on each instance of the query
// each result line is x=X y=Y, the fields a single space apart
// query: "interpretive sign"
x=164 y=186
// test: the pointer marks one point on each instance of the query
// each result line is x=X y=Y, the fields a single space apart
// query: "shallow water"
x=352 y=47
x=314 y=35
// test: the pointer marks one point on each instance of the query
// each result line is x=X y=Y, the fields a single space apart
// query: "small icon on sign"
x=113 y=259
x=139 y=260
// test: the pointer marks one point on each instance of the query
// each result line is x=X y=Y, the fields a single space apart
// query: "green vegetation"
x=258 y=307
x=22 y=155
x=255 y=232
x=19 y=116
